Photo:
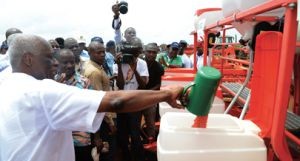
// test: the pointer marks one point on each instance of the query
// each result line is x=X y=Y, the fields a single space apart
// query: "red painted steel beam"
x=201 y=11
x=296 y=108
x=278 y=139
x=261 y=18
x=269 y=5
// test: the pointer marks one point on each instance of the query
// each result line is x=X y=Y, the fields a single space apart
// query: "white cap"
x=81 y=40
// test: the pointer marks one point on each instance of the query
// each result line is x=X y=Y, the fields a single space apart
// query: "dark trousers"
x=128 y=124
x=83 y=153
x=111 y=139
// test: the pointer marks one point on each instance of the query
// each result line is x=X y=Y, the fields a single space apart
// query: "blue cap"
x=98 y=39
x=183 y=42
x=4 y=45
x=175 y=45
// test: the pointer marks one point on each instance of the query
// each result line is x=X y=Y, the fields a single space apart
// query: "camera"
x=121 y=7
x=129 y=51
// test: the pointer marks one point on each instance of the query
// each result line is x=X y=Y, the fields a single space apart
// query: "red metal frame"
x=276 y=135
x=277 y=139
x=296 y=108
x=201 y=11
x=269 y=5
x=284 y=74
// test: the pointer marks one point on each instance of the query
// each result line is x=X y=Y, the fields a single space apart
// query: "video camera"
x=129 y=51
x=121 y=7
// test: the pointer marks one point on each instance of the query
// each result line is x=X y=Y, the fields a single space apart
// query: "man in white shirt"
x=38 y=115
x=132 y=74
x=199 y=58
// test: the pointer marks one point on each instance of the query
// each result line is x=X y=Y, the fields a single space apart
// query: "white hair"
x=11 y=37
x=21 y=44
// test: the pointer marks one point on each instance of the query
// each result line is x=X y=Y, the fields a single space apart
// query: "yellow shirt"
x=99 y=81
x=96 y=74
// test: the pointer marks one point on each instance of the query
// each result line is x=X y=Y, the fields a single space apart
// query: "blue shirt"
x=4 y=62
x=110 y=61
x=84 y=55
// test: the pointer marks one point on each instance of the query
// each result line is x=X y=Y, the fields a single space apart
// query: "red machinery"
x=271 y=80
x=274 y=63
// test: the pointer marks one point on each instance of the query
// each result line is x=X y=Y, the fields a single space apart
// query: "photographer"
x=132 y=73
x=130 y=32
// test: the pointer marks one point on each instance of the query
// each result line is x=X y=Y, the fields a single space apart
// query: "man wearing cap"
x=84 y=55
x=154 y=83
x=171 y=59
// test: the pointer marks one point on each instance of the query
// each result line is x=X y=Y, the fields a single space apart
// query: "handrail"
x=262 y=18
x=225 y=44
x=236 y=60
x=292 y=137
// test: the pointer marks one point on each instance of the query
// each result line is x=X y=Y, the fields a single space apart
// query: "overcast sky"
x=161 y=21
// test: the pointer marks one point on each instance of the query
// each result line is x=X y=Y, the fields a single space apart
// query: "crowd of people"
x=42 y=116
x=39 y=112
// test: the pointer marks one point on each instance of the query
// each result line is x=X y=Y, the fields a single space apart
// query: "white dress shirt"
x=37 y=118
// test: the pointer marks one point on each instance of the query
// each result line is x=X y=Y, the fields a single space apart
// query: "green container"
x=203 y=90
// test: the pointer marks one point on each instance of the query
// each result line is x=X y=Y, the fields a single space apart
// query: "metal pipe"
x=245 y=107
x=249 y=72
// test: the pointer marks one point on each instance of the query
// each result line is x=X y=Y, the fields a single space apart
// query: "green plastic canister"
x=203 y=90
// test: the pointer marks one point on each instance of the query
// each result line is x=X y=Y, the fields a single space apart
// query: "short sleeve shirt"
x=155 y=73
x=37 y=118
x=141 y=68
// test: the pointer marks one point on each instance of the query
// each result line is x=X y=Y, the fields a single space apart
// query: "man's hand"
x=99 y=144
x=118 y=58
x=176 y=93
x=112 y=129
x=60 y=77
x=95 y=154
x=163 y=62
x=133 y=65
